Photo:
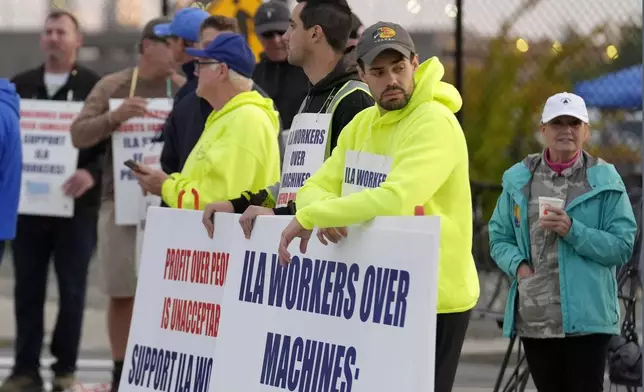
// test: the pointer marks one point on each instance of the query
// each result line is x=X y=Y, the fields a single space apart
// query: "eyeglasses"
x=199 y=64
x=272 y=34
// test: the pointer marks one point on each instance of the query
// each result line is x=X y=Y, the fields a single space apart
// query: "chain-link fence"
x=519 y=52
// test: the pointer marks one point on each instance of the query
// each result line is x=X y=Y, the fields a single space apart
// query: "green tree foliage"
x=630 y=48
x=504 y=97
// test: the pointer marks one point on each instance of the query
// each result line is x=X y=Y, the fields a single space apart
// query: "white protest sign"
x=130 y=142
x=304 y=154
x=357 y=316
x=363 y=170
x=151 y=157
x=48 y=157
x=177 y=310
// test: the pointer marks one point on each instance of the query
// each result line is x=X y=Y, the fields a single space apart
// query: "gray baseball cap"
x=382 y=36
x=272 y=17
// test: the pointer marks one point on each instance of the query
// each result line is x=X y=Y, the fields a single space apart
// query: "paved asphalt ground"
x=480 y=361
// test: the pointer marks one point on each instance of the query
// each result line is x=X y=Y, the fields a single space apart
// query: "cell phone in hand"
x=132 y=164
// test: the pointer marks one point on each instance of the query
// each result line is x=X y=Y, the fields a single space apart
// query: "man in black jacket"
x=285 y=83
x=70 y=241
x=317 y=40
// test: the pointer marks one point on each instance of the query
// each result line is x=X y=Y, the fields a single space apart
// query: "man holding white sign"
x=317 y=38
x=97 y=123
x=59 y=206
x=407 y=151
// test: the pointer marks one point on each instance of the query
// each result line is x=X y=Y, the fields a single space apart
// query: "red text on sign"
x=193 y=317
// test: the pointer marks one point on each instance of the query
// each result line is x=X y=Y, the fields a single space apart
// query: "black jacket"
x=191 y=82
x=352 y=104
x=285 y=84
x=318 y=96
x=31 y=85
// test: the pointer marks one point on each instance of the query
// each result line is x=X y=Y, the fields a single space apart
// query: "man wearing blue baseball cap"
x=183 y=33
x=238 y=149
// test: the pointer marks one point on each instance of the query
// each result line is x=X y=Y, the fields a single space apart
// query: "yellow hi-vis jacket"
x=237 y=151
x=429 y=167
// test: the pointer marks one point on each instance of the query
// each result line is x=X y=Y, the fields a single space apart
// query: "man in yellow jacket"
x=414 y=153
x=238 y=149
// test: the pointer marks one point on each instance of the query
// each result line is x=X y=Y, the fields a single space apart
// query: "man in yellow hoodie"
x=238 y=149
x=409 y=150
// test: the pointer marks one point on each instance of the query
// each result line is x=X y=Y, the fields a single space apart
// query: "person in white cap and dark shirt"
x=561 y=227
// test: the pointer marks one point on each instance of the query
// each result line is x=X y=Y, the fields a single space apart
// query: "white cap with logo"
x=565 y=104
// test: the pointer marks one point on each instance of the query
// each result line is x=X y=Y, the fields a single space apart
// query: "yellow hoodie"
x=429 y=167
x=237 y=151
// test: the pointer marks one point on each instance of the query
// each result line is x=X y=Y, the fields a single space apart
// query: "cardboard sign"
x=177 y=311
x=304 y=153
x=131 y=141
x=357 y=316
x=152 y=158
x=49 y=158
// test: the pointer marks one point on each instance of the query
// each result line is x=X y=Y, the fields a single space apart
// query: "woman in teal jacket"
x=561 y=226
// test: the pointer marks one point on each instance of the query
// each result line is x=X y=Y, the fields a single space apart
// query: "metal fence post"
x=164 y=8
x=458 y=32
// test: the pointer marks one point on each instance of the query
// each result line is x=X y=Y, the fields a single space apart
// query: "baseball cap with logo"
x=382 y=36
x=272 y=17
x=230 y=49
x=565 y=104
x=185 y=24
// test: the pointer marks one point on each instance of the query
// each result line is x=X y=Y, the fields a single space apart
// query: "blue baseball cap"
x=185 y=24
x=230 y=49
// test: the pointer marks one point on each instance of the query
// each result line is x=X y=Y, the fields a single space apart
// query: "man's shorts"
x=116 y=253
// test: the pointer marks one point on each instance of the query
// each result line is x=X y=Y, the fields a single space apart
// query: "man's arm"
x=264 y=198
x=96 y=160
x=93 y=124
x=422 y=163
x=95 y=155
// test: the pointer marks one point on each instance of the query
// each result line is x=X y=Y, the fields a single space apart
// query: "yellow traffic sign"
x=243 y=11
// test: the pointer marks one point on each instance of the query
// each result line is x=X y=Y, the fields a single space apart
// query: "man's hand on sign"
x=208 y=219
x=294 y=229
x=247 y=219
x=333 y=234
x=151 y=180
x=129 y=108
x=79 y=183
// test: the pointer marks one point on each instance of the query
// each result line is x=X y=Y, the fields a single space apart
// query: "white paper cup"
x=545 y=202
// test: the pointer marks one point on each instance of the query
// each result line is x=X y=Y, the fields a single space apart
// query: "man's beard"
x=56 y=55
x=397 y=104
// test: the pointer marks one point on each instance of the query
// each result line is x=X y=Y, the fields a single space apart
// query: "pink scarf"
x=560 y=167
